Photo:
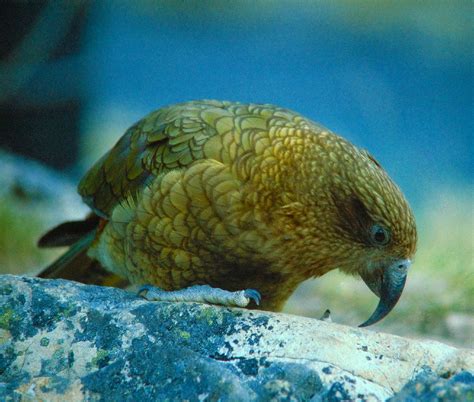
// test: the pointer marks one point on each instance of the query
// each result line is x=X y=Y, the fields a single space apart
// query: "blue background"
x=393 y=77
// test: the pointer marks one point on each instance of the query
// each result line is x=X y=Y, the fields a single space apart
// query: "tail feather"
x=69 y=233
x=75 y=264
x=76 y=253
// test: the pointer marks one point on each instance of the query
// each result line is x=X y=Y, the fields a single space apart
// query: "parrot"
x=236 y=204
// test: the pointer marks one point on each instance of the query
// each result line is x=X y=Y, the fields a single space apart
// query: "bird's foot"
x=326 y=316
x=201 y=294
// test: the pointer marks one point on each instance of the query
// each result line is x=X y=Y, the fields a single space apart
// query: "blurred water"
x=390 y=85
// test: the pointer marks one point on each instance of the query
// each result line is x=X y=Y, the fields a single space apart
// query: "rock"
x=427 y=386
x=30 y=185
x=61 y=340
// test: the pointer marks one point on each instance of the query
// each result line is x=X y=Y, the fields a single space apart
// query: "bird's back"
x=174 y=137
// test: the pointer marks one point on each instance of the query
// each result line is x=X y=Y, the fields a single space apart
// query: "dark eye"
x=379 y=235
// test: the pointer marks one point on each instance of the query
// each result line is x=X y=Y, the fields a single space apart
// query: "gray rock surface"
x=60 y=340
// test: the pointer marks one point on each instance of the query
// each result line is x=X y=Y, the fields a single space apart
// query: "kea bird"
x=228 y=203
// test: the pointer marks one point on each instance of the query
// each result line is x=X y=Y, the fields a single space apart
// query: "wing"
x=167 y=139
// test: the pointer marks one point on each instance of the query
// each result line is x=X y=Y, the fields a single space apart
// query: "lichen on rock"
x=67 y=341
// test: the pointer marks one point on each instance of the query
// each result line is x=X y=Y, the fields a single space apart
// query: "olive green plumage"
x=242 y=196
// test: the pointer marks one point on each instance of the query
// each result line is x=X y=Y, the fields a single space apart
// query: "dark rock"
x=428 y=386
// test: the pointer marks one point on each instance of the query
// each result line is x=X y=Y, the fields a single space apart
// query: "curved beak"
x=387 y=283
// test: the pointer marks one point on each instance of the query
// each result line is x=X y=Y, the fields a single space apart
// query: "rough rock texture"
x=428 y=386
x=60 y=340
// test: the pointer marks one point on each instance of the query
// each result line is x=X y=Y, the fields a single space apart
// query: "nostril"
x=403 y=264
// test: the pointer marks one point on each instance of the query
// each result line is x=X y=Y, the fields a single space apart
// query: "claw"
x=253 y=295
x=326 y=316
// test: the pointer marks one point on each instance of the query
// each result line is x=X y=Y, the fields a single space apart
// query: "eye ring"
x=379 y=235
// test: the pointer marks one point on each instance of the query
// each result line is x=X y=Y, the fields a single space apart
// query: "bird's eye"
x=379 y=235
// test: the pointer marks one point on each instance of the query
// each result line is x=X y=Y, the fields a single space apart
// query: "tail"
x=75 y=264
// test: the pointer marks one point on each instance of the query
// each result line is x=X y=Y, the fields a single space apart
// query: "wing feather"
x=171 y=138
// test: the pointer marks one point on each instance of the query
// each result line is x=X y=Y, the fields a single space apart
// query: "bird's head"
x=376 y=224
x=359 y=219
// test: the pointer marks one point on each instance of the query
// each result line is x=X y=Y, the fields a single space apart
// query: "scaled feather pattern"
x=241 y=196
